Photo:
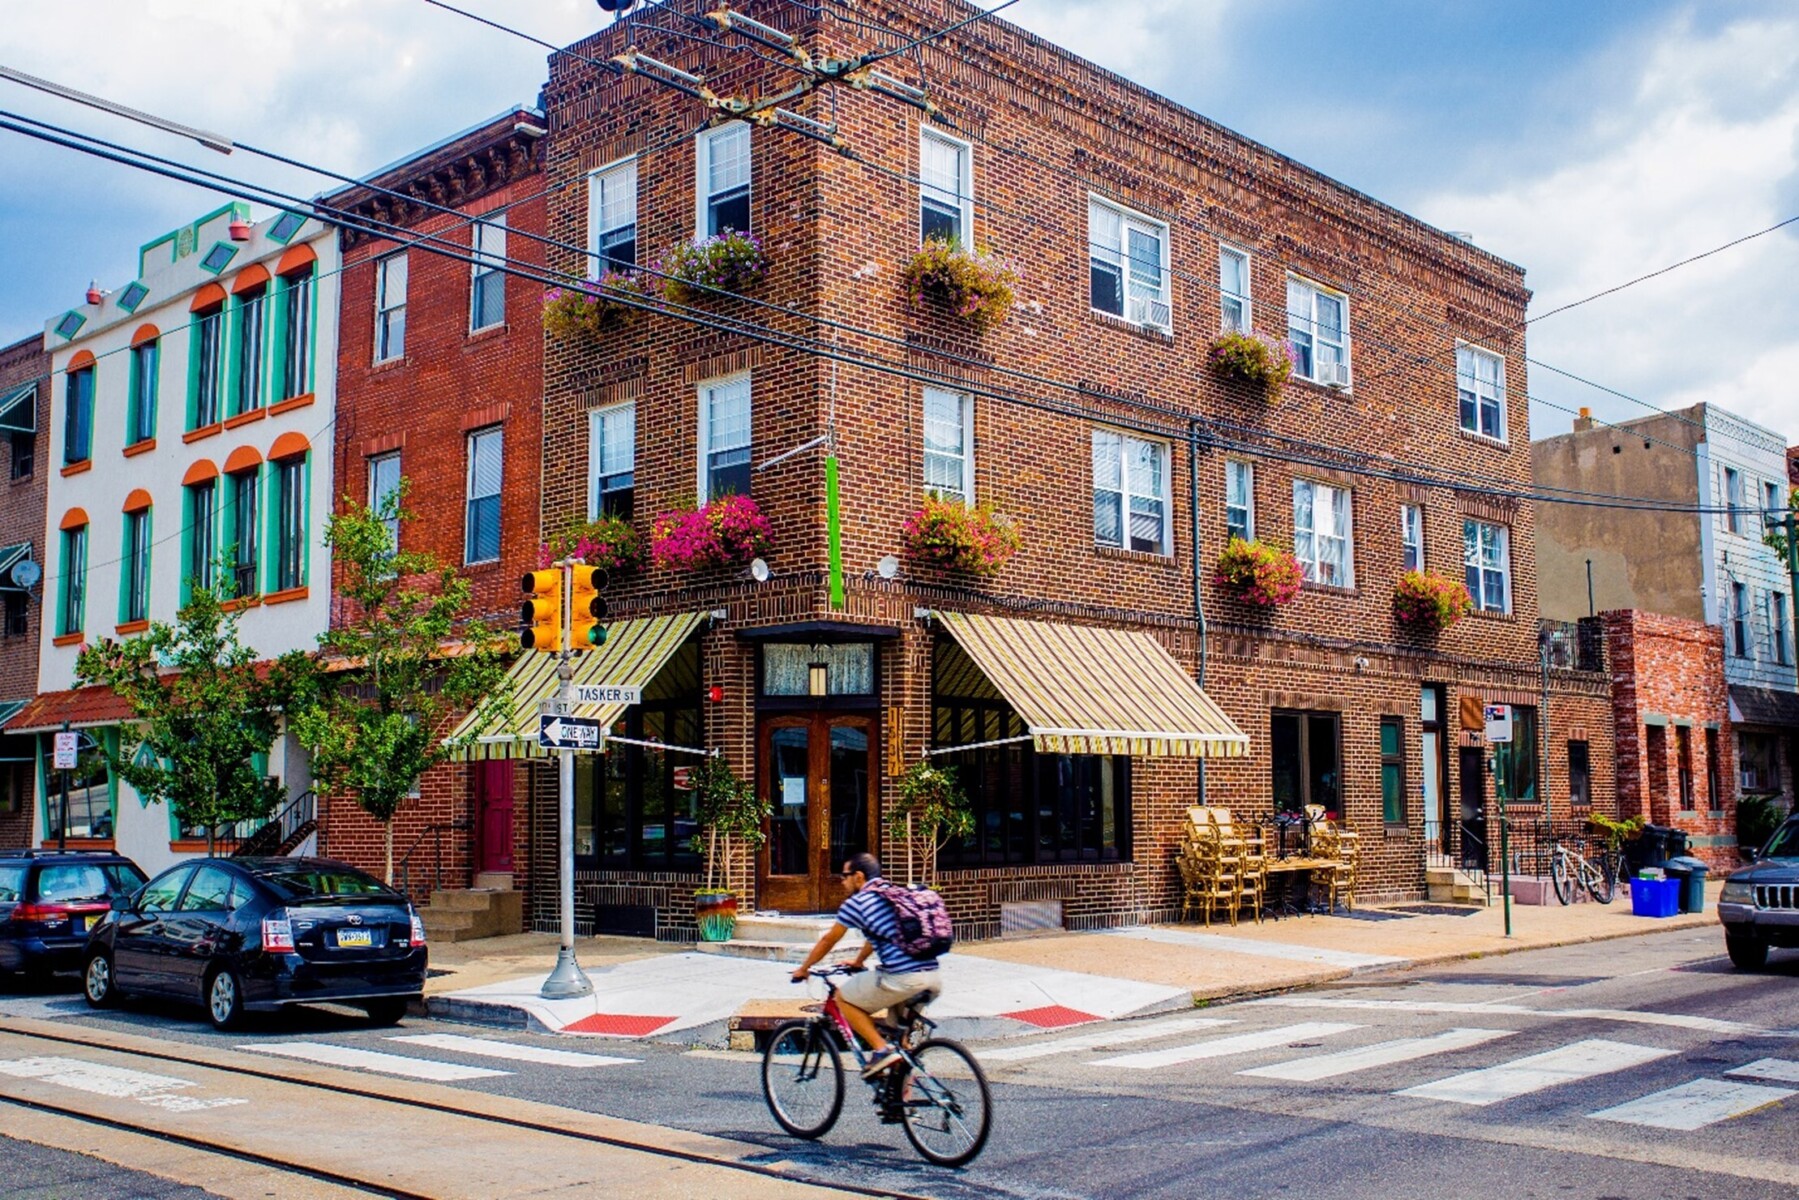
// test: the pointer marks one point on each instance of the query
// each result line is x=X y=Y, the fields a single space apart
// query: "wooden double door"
x=817 y=772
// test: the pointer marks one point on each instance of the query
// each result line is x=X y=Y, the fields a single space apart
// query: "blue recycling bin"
x=1654 y=897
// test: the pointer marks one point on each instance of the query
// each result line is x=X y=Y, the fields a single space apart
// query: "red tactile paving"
x=617 y=1024
x=1052 y=1016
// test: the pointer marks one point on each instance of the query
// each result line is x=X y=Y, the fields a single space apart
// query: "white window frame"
x=385 y=310
x=1778 y=611
x=1503 y=544
x=1411 y=536
x=596 y=453
x=622 y=175
x=1226 y=250
x=1127 y=491
x=1733 y=500
x=965 y=402
x=468 y=528
x=377 y=494
x=706 y=448
x=1129 y=220
x=1310 y=319
x=487 y=266
x=1466 y=379
x=964 y=199
x=1312 y=565
x=1236 y=469
x=702 y=166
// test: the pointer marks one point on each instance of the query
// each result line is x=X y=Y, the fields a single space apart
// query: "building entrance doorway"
x=818 y=773
x=492 y=784
x=1474 y=809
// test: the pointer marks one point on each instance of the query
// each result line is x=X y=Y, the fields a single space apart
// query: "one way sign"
x=568 y=733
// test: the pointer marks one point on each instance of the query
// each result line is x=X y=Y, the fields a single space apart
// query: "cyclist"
x=900 y=977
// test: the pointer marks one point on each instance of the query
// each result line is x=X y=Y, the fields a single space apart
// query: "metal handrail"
x=275 y=833
x=435 y=832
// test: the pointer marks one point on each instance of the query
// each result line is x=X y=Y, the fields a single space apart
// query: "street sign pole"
x=1499 y=730
x=568 y=980
x=62 y=831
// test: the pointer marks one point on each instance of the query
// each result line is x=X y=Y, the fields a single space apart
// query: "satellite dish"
x=888 y=567
x=26 y=573
x=759 y=570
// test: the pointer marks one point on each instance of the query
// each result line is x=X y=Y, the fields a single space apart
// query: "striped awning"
x=635 y=651
x=1082 y=689
x=18 y=410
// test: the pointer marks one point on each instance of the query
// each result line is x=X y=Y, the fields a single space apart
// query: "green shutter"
x=193 y=373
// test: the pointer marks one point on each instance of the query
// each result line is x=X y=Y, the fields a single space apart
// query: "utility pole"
x=1789 y=521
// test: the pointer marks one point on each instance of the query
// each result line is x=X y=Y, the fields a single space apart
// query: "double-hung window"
x=612 y=219
x=725 y=437
x=723 y=187
x=1739 y=619
x=390 y=307
x=487 y=286
x=1130 y=492
x=1487 y=558
x=202 y=536
x=612 y=451
x=78 y=419
x=948 y=444
x=1128 y=265
x=135 y=604
x=1733 y=500
x=482 y=531
x=1777 y=626
x=1233 y=290
x=1318 y=328
x=1239 y=499
x=209 y=367
x=251 y=308
x=1392 y=770
x=246 y=511
x=1480 y=392
x=1772 y=508
x=146 y=357
x=296 y=333
x=73 y=617
x=1324 y=533
x=945 y=189
x=384 y=488
x=290 y=523
x=1411 y=537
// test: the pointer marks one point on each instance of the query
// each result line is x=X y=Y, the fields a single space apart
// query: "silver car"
x=1760 y=904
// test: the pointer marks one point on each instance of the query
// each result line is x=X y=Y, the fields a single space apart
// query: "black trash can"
x=1690 y=872
x=1648 y=849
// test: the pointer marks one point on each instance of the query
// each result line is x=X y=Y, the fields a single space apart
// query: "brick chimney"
x=1584 y=421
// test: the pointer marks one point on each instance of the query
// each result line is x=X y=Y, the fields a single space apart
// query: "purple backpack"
x=924 y=925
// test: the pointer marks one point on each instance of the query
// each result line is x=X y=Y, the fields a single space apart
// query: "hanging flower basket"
x=974 y=285
x=1254 y=358
x=728 y=532
x=608 y=542
x=587 y=311
x=729 y=261
x=1258 y=573
x=1429 y=602
x=958 y=536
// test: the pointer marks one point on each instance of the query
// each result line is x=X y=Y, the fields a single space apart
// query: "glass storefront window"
x=1515 y=762
x=628 y=812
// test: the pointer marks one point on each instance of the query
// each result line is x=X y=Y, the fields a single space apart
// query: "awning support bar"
x=625 y=741
x=978 y=745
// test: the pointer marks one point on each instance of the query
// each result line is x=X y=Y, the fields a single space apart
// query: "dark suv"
x=50 y=899
x=1760 y=903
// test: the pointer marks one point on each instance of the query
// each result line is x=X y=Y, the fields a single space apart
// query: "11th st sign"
x=568 y=733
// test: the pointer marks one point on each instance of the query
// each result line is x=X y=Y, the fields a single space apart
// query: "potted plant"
x=586 y=311
x=606 y=541
x=730 y=531
x=974 y=285
x=726 y=262
x=931 y=807
x=1429 y=602
x=1258 y=573
x=1254 y=358
x=951 y=533
x=728 y=810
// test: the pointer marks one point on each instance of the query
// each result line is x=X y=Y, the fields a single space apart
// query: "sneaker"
x=882 y=1063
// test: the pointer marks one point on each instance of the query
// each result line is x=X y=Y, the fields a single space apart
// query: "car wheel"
x=225 y=1000
x=387 y=1011
x=97 y=983
x=1747 y=952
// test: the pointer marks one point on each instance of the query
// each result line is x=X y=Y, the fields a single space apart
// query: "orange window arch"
x=75 y=518
x=137 y=501
x=242 y=459
x=200 y=472
x=145 y=333
x=207 y=297
x=82 y=360
x=289 y=445
x=298 y=258
x=249 y=277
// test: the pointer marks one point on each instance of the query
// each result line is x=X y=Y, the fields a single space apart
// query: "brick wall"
x=22 y=520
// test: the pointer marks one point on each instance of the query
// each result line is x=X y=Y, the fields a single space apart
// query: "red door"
x=493 y=816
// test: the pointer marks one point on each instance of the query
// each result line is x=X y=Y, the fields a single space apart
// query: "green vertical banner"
x=834 y=531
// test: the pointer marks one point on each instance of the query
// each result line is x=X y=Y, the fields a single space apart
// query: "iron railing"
x=435 y=832
x=281 y=832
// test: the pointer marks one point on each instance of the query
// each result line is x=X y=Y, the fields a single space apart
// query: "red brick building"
x=439 y=380
x=1090 y=418
x=24 y=412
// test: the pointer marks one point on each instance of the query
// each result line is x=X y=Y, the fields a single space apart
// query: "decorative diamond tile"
x=1051 y=1016
x=618 y=1024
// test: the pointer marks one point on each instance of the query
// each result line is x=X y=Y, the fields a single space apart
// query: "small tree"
x=203 y=708
x=931 y=805
x=379 y=734
x=728 y=808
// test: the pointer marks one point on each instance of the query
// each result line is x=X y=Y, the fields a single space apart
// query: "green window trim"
x=125 y=564
x=134 y=418
x=277 y=323
x=72 y=578
x=272 y=498
x=228 y=528
x=190 y=529
x=1392 y=770
x=234 y=334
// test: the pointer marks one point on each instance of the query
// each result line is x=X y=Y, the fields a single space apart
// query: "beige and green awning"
x=1081 y=689
x=634 y=652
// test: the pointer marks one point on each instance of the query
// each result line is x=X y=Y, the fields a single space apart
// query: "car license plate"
x=355 y=937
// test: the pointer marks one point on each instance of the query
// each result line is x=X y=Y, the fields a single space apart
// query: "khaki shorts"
x=871 y=991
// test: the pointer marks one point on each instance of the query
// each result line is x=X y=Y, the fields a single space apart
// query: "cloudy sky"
x=1588 y=142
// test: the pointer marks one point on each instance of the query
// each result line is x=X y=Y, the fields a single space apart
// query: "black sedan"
x=257 y=934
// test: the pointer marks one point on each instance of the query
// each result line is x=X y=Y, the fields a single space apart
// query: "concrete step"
x=463 y=914
x=774 y=951
x=779 y=927
x=494 y=881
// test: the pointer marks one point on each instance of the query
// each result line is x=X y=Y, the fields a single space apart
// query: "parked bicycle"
x=938 y=1092
x=1549 y=855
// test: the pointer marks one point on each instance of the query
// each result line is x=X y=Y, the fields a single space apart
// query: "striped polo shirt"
x=872 y=915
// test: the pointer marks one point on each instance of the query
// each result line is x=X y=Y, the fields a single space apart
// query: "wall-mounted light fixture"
x=819 y=679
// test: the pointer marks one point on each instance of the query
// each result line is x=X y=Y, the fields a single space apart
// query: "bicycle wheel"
x=1558 y=872
x=1600 y=880
x=802 y=1079
x=947 y=1109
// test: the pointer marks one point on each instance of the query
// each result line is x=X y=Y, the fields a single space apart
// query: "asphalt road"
x=1638 y=1068
x=34 y=1172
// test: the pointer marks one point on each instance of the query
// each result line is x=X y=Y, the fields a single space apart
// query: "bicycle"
x=1600 y=879
x=937 y=1092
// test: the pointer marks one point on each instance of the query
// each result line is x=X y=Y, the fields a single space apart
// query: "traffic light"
x=587 y=609
x=540 y=616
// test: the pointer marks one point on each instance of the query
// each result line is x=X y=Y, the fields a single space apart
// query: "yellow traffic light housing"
x=587 y=608
x=540 y=616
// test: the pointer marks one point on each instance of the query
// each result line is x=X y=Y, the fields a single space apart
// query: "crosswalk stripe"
x=512 y=1051
x=1567 y=1064
x=1242 y=1043
x=1327 y=1066
x=374 y=1060
x=1777 y=1070
x=1113 y=1037
x=1628 y=1016
x=1695 y=1105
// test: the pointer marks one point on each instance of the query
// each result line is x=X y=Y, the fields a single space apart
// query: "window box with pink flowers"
x=1427 y=602
x=1257 y=573
x=1254 y=358
x=728 y=532
x=957 y=536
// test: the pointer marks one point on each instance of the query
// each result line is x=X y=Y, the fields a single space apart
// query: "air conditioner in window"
x=1149 y=311
x=1752 y=781
x=1336 y=375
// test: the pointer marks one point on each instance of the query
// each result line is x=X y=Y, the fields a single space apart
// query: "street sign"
x=568 y=733
x=683 y=779
x=553 y=707
x=1498 y=723
x=607 y=693
x=68 y=749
